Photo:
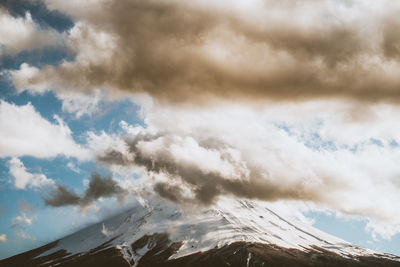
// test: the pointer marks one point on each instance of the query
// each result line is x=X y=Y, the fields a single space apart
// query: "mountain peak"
x=161 y=233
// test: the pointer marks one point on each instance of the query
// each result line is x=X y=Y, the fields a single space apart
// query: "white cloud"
x=25 y=219
x=105 y=231
x=23 y=178
x=98 y=143
x=73 y=167
x=382 y=229
x=22 y=220
x=23 y=80
x=80 y=104
x=3 y=238
x=24 y=132
x=22 y=33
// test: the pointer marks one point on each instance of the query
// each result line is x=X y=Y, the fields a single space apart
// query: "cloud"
x=80 y=104
x=25 y=218
x=61 y=196
x=98 y=187
x=208 y=172
x=22 y=33
x=22 y=178
x=24 y=132
x=171 y=192
x=105 y=231
x=178 y=51
x=331 y=154
x=72 y=167
x=3 y=238
x=21 y=221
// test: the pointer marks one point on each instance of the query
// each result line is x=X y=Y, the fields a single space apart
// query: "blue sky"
x=72 y=90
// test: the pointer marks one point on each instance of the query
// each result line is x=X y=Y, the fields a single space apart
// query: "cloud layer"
x=280 y=152
x=179 y=51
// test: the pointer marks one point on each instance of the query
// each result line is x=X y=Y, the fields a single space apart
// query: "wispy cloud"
x=105 y=231
x=73 y=167
x=21 y=234
x=3 y=238
x=26 y=216
x=21 y=221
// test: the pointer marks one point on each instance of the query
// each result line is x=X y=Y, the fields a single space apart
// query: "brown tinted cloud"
x=98 y=187
x=178 y=51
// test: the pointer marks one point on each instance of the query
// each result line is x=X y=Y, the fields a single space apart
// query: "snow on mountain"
x=228 y=221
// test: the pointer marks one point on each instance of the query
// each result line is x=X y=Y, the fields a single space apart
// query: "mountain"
x=230 y=233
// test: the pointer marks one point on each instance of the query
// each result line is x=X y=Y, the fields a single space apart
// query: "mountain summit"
x=230 y=233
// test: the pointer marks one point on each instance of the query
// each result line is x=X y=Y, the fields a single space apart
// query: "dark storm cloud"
x=98 y=187
x=167 y=49
x=171 y=192
x=61 y=196
x=114 y=157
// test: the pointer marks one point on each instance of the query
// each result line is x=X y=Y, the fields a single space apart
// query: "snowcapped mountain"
x=230 y=233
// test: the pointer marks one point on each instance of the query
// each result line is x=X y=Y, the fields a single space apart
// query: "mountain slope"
x=230 y=233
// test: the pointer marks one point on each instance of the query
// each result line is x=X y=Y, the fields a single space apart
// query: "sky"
x=106 y=102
